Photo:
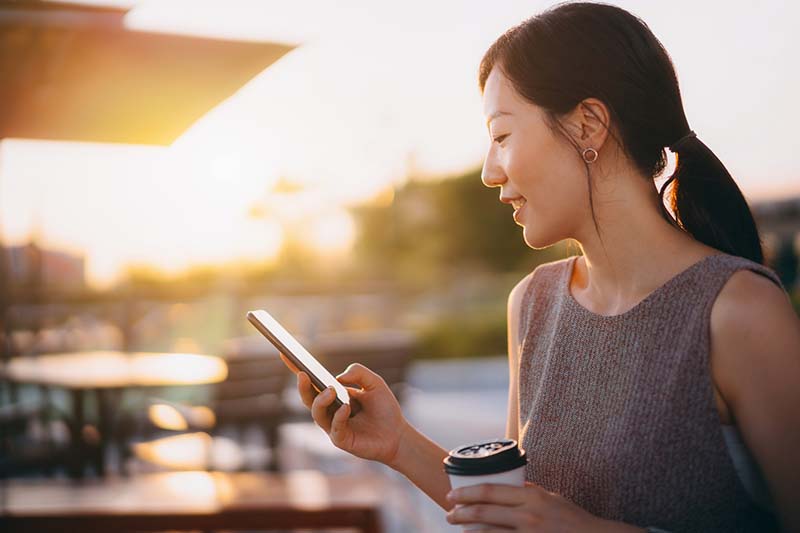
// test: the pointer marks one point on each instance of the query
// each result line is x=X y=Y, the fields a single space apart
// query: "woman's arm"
x=379 y=432
x=420 y=460
x=755 y=354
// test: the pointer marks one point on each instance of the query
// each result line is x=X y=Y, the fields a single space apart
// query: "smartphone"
x=301 y=358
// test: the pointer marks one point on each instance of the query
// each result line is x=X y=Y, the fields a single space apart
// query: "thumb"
x=358 y=374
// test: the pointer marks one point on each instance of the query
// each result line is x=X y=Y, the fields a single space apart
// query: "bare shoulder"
x=755 y=357
x=749 y=303
x=753 y=329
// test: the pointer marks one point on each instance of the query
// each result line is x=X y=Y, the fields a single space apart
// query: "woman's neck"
x=638 y=253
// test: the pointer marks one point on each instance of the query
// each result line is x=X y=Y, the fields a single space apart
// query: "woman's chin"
x=535 y=239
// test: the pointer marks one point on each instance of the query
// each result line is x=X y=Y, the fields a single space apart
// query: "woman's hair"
x=578 y=50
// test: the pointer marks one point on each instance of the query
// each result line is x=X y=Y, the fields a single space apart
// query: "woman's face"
x=538 y=171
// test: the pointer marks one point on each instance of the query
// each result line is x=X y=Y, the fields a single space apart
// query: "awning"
x=71 y=72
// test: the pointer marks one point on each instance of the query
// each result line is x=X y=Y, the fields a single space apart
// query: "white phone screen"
x=298 y=352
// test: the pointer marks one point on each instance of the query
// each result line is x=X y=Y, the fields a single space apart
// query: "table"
x=106 y=374
x=195 y=501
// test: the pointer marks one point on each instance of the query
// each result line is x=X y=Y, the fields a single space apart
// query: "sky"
x=373 y=92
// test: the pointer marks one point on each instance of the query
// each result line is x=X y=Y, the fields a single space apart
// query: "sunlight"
x=179 y=368
x=203 y=486
x=332 y=234
x=120 y=369
x=177 y=417
x=167 y=417
x=308 y=488
x=343 y=121
x=177 y=207
x=197 y=485
x=191 y=451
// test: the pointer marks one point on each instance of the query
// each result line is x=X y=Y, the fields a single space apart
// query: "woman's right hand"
x=375 y=432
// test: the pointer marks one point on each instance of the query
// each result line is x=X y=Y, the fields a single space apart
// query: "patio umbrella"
x=72 y=72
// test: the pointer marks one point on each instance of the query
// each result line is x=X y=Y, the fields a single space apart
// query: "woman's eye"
x=500 y=138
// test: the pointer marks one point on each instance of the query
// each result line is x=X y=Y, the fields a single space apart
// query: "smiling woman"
x=653 y=380
x=575 y=149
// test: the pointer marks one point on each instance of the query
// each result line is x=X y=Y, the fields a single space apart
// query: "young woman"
x=655 y=380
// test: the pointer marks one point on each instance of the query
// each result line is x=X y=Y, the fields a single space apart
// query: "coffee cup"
x=498 y=461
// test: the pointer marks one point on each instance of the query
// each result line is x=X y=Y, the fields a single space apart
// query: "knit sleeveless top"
x=617 y=413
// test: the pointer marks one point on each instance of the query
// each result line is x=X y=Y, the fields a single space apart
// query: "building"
x=30 y=264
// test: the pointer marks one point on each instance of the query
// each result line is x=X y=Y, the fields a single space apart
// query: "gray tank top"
x=617 y=413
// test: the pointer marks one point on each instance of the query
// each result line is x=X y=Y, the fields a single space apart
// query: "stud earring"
x=590 y=155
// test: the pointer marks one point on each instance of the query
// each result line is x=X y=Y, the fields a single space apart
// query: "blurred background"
x=167 y=165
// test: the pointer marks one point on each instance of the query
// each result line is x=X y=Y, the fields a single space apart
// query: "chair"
x=386 y=352
x=252 y=394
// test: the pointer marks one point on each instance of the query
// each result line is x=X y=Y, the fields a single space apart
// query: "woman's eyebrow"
x=495 y=115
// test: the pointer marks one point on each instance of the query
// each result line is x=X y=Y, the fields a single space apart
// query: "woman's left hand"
x=528 y=508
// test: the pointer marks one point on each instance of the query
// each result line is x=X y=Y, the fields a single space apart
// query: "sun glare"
x=177 y=368
x=331 y=125
x=332 y=234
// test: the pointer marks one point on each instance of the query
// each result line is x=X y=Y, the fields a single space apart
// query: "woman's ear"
x=588 y=123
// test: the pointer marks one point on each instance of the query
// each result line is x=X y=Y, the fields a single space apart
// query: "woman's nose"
x=492 y=175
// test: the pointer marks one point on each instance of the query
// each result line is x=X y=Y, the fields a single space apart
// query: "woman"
x=654 y=379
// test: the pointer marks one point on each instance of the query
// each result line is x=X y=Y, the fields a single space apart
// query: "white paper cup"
x=498 y=461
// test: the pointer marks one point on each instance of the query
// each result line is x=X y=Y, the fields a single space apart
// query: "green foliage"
x=477 y=332
x=435 y=229
x=450 y=237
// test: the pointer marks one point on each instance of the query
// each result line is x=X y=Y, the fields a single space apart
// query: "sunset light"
x=490 y=293
x=368 y=89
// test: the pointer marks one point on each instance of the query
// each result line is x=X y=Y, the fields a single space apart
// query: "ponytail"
x=707 y=202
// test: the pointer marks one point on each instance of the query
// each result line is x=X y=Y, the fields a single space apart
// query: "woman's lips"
x=518 y=204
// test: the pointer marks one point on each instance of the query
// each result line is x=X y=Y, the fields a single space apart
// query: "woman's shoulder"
x=742 y=267
x=543 y=277
x=749 y=297
x=752 y=322
x=755 y=355
x=548 y=272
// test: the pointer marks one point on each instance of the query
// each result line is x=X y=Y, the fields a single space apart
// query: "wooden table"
x=194 y=501
x=106 y=374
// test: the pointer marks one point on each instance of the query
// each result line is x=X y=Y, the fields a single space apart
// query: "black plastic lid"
x=483 y=458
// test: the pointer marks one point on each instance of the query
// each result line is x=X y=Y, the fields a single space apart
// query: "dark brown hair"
x=577 y=50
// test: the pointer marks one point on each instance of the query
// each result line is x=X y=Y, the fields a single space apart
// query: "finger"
x=319 y=408
x=339 y=424
x=482 y=513
x=358 y=374
x=306 y=389
x=289 y=363
x=491 y=493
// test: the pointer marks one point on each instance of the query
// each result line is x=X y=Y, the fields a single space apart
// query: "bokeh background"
x=338 y=187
